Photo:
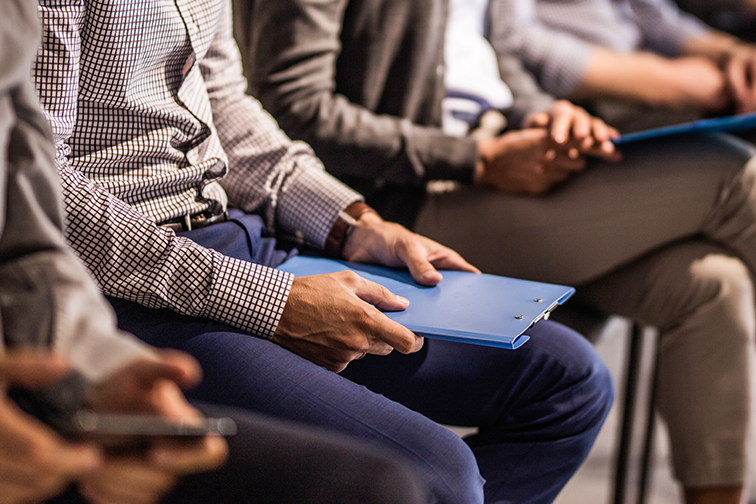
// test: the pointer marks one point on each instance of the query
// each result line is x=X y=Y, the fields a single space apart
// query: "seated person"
x=155 y=136
x=637 y=63
x=49 y=304
x=665 y=236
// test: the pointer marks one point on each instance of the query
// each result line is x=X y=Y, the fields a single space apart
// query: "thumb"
x=32 y=368
x=76 y=460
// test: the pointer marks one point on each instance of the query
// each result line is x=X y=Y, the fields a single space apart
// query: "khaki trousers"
x=666 y=237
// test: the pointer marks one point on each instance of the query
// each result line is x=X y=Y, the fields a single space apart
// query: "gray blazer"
x=47 y=298
x=362 y=82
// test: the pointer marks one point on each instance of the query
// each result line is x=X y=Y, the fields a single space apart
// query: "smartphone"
x=128 y=434
x=88 y=424
x=59 y=405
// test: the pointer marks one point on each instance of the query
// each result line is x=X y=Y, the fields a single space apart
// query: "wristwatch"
x=343 y=226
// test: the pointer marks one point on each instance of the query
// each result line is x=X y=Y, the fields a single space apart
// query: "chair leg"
x=648 y=442
x=632 y=372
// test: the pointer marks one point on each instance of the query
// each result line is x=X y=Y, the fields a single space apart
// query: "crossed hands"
x=552 y=146
x=336 y=318
x=36 y=463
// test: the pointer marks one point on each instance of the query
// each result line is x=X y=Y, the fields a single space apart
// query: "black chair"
x=631 y=473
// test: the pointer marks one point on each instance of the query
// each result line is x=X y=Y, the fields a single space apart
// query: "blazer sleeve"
x=291 y=48
x=47 y=298
x=528 y=95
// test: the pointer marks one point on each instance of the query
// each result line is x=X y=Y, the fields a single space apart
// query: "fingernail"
x=402 y=300
x=432 y=276
x=573 y=153
x=560 y=138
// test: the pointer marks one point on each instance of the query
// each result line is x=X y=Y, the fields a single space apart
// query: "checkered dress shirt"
x=151 y=122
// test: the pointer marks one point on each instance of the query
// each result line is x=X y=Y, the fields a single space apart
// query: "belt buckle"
x=188 y=222
x=203 y=220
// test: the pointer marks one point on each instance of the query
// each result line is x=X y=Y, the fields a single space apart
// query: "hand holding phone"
x=150 y=387
x=35 y=463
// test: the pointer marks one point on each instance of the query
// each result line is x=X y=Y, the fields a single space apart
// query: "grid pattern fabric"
x=554 y=38
x=151 y=122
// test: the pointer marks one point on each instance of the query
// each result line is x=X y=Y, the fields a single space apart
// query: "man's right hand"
x=527 y=161
x=150 y=386
x=694 y=81
x=35 y=463
x=345 y=311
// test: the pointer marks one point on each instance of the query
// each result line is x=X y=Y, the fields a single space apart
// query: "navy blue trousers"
x=538 y=409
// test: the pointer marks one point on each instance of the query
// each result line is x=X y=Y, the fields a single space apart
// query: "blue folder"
x=730 y=123
x=465 y=307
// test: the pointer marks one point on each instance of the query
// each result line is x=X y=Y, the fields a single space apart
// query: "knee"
x=726 y=276
x=576 y=384
x=390 y=480
x=450 y=469
x=722 y=291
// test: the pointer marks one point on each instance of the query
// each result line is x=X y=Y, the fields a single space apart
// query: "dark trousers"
x=538 y=409
x=275 y=462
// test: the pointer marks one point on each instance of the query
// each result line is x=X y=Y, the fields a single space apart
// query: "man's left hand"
x=374 y=240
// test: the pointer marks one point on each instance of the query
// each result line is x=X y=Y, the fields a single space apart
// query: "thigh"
x=538 y=409
x=605 y=217
x=516 y=391
x=701 y=298
x=255 y=374
x=278 y=462
x=272 y=461
x=665 y=287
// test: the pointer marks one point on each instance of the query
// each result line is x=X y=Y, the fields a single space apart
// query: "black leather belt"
x=196 y=221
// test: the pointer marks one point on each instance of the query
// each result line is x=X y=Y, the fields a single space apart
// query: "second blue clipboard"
x=730 y=123
x=465 y=307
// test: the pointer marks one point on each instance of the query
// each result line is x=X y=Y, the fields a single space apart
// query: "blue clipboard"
x=730 y=123
x=465 y=307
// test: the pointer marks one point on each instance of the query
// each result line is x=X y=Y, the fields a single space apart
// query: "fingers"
x=333 y=319
x=424 y=257
x=126 y=481
x=34 y=462
x=567 y=161
x=577 y=133
x=170 y=365
x=377 y=295
x=537 y=120
x=379 y=329
x=181 y=458
x=454 y=261
x=601 y=131
x=32 y=368
x=421 y=269
x=569 y=121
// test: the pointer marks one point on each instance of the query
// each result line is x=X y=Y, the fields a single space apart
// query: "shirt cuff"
x=311 y=201
x=444 y=157
x=247 y=296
